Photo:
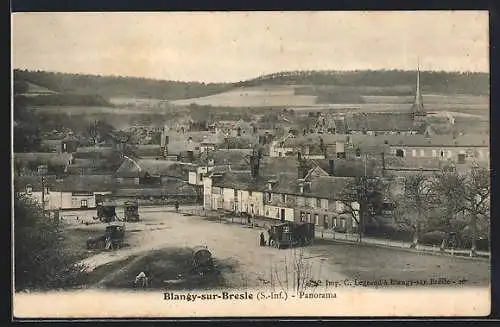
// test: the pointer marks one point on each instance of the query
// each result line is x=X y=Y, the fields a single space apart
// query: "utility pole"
x=43 y=193
x=383 y=162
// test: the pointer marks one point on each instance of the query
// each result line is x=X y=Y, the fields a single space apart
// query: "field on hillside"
x=286 y=95
x=261 y=96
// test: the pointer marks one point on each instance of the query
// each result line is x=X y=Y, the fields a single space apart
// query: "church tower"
x=417 y=109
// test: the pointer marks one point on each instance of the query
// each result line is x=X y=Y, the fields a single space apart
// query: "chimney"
x=190 y=156
x=331 y=170
x=302 y=171
x=254 y=164
x=307 y=187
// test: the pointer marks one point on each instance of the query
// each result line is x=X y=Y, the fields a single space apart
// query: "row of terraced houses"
x=311 y=196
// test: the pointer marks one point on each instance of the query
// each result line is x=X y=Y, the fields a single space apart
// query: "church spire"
x=418 y=105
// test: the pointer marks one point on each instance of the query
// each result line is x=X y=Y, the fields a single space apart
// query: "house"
x=72 y=192
x=314 y=197
x=41 y=163
x=234 y=191
x=461 y=149
x=150 y=171
x=60 y=145
x=381 y=124
x=209 y=143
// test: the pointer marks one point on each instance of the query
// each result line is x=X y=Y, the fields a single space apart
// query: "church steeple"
x=417 y=108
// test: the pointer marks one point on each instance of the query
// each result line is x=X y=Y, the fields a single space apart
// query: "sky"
x=234 y=46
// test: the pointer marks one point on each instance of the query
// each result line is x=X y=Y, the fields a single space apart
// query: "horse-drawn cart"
x=202 y=259
x=291 y=234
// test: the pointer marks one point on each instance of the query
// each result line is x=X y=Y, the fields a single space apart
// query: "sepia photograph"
x=250 y=164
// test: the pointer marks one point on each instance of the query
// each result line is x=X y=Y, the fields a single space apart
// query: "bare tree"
x=294 y=273
x=417 y=201
x=99 y=131
x=477 y=200
x=362 y=199
x=467 y=194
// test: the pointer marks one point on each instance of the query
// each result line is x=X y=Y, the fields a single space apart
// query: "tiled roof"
x=380 y=122
x=71 y=183
x=241 y=181
x=151 y=166
x=174 y=189
x=237 y=158
x=42 y=158
x=408 y=140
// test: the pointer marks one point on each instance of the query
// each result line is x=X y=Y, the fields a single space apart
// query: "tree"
x=416 y=202
x=99 y=131
x=125 y=142
x=27 y=134
x=449 y=188
x=41 y=261
x=467 y=194
x=363 y=198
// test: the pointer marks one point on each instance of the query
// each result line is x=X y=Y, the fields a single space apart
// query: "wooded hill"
x=382 y=82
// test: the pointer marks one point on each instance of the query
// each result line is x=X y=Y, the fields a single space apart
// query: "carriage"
x=111 y=239
x=106 y=212
x=131 y=211
x=202 y=259
x=290 y=234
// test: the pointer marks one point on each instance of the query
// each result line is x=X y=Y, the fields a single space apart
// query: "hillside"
x=323 y=86
x=376 y=82
x=117 y=86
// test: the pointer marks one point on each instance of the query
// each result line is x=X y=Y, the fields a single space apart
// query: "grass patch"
x=169 y=269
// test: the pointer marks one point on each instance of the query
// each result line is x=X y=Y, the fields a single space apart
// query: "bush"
x=41 y=261
x=432 y=238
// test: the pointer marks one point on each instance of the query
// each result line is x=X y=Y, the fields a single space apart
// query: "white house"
x=74 y=192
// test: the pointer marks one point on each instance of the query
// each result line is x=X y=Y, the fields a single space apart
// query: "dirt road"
x=235 y=244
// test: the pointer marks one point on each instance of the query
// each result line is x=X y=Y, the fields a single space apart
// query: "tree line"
x=115 y=86
x=446 y=202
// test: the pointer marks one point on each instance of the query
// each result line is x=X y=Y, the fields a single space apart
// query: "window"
x=302 y=216
x=434 y=154
x=414 y=152
x=339 y=206
x=334 y=222
x=269 y=197
x=84 y=204
x=442 y=154
x=422 y=153
x=400 y=153
x=461 y=158
x=316 y=219
x=29 y=189
x=324 y=203
x=318 y=203
x=342 y=222
x=325 y=222
x=308 y=217
x=283 y=197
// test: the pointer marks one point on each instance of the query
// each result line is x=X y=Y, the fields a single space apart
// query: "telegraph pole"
x=43 y=193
